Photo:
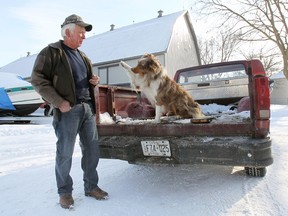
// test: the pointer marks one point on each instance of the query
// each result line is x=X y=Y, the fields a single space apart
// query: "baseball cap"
x=78 y=21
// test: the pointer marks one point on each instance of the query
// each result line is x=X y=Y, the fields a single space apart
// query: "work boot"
x=66 y=201
x=97 y=193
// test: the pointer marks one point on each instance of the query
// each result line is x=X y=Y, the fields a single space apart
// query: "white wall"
x=182 y=52
x=279 y=94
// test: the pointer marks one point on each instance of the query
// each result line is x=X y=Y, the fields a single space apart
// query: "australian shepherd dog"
x=163 y=93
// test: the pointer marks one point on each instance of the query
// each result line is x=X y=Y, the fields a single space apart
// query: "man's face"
x=75 y=39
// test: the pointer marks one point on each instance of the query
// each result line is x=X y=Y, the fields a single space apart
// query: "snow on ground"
x=28 y=187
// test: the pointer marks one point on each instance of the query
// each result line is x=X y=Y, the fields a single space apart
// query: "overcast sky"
x=28 y=26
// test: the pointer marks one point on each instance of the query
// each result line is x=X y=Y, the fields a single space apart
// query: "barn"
x=170 y=37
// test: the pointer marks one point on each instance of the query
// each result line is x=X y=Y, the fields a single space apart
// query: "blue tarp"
x=5 y=102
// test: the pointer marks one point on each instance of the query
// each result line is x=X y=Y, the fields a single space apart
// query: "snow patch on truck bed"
x=221 y=113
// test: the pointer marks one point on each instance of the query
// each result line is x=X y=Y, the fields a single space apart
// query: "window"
x=226 y=72
x=113 y=75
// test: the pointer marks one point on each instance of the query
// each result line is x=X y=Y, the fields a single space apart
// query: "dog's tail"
x=196 y=111
x=190 y=110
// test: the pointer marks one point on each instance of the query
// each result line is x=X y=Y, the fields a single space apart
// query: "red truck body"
x=232 y=143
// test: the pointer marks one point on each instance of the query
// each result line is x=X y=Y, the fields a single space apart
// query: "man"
x=63 y=76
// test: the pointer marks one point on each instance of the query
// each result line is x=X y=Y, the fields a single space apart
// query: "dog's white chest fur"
x=151 y=91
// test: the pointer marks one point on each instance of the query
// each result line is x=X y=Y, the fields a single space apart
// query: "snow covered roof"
x=12 y=80
x=134 y=40
x=22 y=66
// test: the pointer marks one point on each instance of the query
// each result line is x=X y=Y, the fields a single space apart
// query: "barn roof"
x=134 y=40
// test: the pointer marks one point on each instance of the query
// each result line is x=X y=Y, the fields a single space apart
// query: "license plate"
x=156 y=148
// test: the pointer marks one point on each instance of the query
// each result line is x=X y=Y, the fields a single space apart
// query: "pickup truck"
x=246 y=143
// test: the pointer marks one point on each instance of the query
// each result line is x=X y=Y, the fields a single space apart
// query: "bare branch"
x=254 y=20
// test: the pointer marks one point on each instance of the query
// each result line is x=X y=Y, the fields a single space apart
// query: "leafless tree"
x=255 y=20
x=207 y=50
x=228 y=44
x=219 y=47
x=268 y=57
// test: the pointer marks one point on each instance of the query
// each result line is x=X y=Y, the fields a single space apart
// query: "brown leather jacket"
x=52 y=76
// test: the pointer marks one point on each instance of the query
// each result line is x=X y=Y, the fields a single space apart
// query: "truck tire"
x=47 y=111
x=256 y=171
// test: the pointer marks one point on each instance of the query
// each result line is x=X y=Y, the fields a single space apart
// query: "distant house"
x=170 y=37
x=279 y=94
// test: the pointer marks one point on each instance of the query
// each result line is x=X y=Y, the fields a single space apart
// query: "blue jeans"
x=79 y=120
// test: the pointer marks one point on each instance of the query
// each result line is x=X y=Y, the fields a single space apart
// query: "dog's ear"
x=152 y=65
x=148 y=55
x=148 y=64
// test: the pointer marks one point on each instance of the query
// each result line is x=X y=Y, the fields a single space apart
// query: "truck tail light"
x=262 y=98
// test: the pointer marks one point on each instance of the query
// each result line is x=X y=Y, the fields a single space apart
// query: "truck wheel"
x=256 y=171
x=47 y=111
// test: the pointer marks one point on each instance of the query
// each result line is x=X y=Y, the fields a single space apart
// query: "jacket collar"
x=57 y=45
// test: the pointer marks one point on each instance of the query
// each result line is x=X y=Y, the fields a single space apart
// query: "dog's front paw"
x=122 y=63
x=157 y=120
x=125 y=65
